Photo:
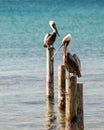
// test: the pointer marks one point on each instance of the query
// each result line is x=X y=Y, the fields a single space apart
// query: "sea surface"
x=23 y=25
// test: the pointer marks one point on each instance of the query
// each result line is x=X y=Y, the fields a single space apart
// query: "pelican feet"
x=51 y=47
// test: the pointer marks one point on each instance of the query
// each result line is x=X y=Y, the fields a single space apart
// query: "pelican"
x=50 y=38
x=72 y=62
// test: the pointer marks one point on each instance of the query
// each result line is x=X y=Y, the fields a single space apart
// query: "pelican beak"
x=56 y=30
x=56 y=51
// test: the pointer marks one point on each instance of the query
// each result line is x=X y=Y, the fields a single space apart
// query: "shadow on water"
x=51 y=117
x=51 y=122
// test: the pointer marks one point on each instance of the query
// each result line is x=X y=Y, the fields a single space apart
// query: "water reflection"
x=61 y=119
x=51 y=118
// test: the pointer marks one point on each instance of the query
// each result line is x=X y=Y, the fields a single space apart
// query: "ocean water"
x=23 y=25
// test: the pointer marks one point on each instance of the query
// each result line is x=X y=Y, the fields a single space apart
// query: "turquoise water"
x=23 y=26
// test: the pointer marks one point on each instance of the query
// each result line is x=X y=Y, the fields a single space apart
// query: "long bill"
x=56 y=30
x=56 y=51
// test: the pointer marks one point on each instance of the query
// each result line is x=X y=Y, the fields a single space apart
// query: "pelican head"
x=53 y=26
x=65 y=42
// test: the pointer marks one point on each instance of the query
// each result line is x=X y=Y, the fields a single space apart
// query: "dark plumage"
x=50 y=38
x=71 y=62
x=72 y=65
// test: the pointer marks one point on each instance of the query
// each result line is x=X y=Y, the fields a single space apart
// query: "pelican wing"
x=78 y=64
x=70 y=63
x=77 y=61
x=49 y=39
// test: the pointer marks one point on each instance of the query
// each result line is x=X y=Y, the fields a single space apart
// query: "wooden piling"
x=61 y=86
x=49 y=73
x=80 y=119
x=71 y=103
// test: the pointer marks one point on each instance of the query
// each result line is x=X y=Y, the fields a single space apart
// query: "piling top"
x=61 y=66
x=71 y=77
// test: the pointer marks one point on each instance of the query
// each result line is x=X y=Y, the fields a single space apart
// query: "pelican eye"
x=53 y=25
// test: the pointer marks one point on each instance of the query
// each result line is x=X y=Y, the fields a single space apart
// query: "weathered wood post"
x=80 y=119
x=61 y=86
x=49 y=73
x=71 y=103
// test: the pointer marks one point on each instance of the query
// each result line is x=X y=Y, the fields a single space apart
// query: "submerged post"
x=80 y=119
x=61 y=86
x=51 y=117
x=71 y=103
x=49 y=73
x=61 y=119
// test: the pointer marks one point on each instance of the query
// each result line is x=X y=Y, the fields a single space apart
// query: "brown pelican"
x=49 y=39
x=72 y=62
